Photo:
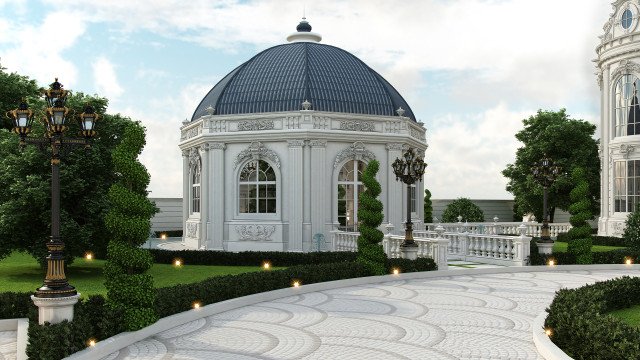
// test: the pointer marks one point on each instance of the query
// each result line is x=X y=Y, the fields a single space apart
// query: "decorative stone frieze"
x=415 y=133
x=255 y=232
x=191 y=132
x=395 y=146
x=354 y=125
x=626 y=67
x=217 y=146
x=192 y=229
x=356 y=151
x=295 y=143
x=626 y=149
x=321 y=122
x=256 y=151
x=317 y=143
x=194 y=156
x=255 y=125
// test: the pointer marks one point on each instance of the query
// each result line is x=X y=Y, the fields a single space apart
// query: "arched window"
x=627 y=108
x=257 y=192
x=626 y=185
x=349 y=189
x=195 y=189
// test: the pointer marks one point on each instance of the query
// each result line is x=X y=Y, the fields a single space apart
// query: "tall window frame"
x=350 y=187
x=414 y=201
x=626 y=185
x=257 y=188
x=626 y=112
x=196 y=178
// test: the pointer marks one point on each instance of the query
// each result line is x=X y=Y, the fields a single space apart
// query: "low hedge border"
x=250 y=258
x=600 y=240
x=565 y=258
x=94 y=320
x=580 y=325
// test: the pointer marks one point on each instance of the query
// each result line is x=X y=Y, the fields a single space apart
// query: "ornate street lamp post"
x=409 y=169
x=545 y=173
x=55 y=293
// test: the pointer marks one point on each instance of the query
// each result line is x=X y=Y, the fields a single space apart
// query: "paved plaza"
x=455 y=316
x=8 y=345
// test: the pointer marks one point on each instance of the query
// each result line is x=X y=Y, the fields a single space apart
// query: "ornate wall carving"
x=194 y=156
x=395 y=146
x=255 y=232
x=256 y=151
x=295 y=143
x=255 y=125
x=626 y=149
x=318 y=143
x=192 y=229
x=417 y=134
x=192 y=132
x=354 y=125
x=625 y=67
x=217 y=146
x=356 y=151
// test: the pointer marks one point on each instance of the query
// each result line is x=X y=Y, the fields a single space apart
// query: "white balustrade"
x=533 y=229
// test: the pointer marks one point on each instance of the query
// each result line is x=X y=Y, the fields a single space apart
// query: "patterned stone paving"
x=8 y=345
x=456 y=316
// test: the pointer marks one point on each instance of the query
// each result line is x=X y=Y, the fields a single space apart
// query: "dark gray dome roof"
x=281 y=78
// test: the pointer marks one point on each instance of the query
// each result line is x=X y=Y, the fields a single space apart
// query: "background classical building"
x=618 y=75
x=273 y=153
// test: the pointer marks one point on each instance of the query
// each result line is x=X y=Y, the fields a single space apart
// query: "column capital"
x=295 y=143
x=395 y=146
x=318 y=143
x=217 y=145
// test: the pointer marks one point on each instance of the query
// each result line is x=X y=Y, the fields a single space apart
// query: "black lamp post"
x=55 y=121
x=409 y=170
x=545 y=173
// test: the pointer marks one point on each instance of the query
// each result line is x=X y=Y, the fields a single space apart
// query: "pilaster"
x=295 y=192
x=185 y=191
x=393 y=208
x=204 y=196
x=320 y=187
x=216 y=184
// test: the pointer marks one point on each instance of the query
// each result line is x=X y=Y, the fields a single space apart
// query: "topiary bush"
x=370 y=252
x=428 y=207
x=129 y=288
x=581 y=249
x=580 y=325
x=579 y=236
x=464 y=207
x=632 y=230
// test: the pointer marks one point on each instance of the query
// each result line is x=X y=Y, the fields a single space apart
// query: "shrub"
x=250 y=258
x=15 y=305
x=428 y=207
x=130 y=290
x=370 y=252
x=609 y=241
x=464 y=207
x=168 y=233
x=632 y=230
x=406 y=265
x=583 y=330
x=581 y=249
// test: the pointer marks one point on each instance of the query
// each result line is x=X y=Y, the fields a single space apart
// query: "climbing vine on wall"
x=370 y=252
x=129 y=288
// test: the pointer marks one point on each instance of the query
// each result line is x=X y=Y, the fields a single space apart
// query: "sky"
x=470 y=70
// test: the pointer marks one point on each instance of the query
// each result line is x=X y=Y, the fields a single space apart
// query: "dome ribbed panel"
x=282 y=77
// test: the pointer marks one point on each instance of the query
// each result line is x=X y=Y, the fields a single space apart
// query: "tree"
x=370 y=252
x=632 y=230
x=569 y=143
x=25 y=178
x=464 y=207
x=129 y=288
x=579 y=236
x=428 y=207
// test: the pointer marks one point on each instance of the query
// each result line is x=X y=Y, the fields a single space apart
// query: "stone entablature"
x=304 y=120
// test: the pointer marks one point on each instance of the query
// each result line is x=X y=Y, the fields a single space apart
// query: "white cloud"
x=38 y=51
x=106 y=79
x=467 y=153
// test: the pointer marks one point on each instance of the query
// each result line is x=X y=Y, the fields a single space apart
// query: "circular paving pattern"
x=456 y=316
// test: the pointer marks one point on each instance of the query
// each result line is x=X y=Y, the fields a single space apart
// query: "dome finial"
x=303 y=32
x=304 y=25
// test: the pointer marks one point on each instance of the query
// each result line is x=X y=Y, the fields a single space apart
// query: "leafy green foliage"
x=250 y=258
x=583 y=330
x=15 y=305
x=370 y=252
x=632 y=230
x=406 y=265
x=464 y=207
x=579 y=235
x=569 y=143
x=428 y=207
x=130 y=290
x=25 y=201
x=617 y=256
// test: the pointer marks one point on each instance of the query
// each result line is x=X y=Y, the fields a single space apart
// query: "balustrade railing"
x=533 y=229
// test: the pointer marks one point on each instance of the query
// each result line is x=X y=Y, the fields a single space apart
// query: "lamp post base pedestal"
x=545 y=248
x=409 y=252
x=55 y=310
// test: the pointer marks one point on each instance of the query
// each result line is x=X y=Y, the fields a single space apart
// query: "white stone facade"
x=306 y=150
x=618 y=71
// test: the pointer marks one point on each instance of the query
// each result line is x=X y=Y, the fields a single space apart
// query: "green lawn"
x=631 y=315
x=560 y=246
x=20 y=272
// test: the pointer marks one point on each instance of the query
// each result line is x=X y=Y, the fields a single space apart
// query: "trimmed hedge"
x=93 y=319
x=618 y=256
x=250 y=258
x=580 y=325
x=168 y=233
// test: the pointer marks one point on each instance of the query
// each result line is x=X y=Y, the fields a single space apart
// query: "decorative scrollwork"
x=255 y=125
x=255 y=232
x=194 y=156
x=356 y=151
x=357 y=125
x=192 y=229
x=256 y=151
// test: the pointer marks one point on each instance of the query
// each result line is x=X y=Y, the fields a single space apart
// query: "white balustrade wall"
x=483 y=246
x=533 y=229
